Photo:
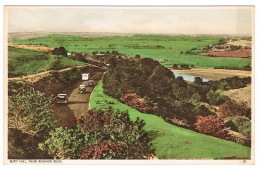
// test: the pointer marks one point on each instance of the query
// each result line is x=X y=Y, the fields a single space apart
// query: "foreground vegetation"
x=169 y=141
x=171 y=49
x=34 y=134
x=24 y=61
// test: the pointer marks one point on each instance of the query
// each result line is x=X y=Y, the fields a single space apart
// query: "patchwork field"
x=171 y=49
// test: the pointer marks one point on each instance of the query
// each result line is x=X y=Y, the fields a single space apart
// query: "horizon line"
x=130 y=33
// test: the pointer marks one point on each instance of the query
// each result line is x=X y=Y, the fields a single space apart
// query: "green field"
x=153 y=46
x=172 y=142
x=24 y=61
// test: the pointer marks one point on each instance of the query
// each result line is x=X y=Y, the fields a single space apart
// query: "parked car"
x=62 y=98
x=82 y=89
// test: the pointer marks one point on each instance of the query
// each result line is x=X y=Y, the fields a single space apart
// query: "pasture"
x=172 y=142
x=166 y=47
x=24 y=61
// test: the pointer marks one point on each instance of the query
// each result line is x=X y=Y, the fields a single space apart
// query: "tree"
x=211 y=125
x=137 y=56
x=60 y=51
x=180 y=81
x=161 y=71
x=64 y=143
x=202 y=110
x=175 y=66
x=198 y=80
x=195 y=99
x=215 y=97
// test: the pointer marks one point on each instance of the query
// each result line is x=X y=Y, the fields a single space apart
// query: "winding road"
x=78 y=105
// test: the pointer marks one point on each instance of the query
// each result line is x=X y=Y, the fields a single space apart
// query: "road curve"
x=78 y=105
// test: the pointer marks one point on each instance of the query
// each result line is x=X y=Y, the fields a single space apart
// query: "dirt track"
x=66 y=114
x=36 y=76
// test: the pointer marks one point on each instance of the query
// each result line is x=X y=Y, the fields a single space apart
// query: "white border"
x=138 y=3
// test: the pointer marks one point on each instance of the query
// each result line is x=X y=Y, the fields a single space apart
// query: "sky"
x=161 y=20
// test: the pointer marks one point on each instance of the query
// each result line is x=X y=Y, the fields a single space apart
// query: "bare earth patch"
x=215 y=74
x=245 y=53
x=241 y=43
x=38 y=48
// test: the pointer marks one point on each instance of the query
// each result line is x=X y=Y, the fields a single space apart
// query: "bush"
x=30 y=112
x=243 y=124
x=60 y=51
x=30 y=118
x=134 y=100
x=198 y=80
x=57 y=65
x=211 y=125
x=64 y=143
x=232 y=108
x=230 y=83
x=215 y=97
x=111 y=135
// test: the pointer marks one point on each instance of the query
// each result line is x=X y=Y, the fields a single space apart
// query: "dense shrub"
x=111 y=135
x=60 y=51
x=247 y=68
x=243 y=124
x=232 y=108
x=215 y=97
x=103 y=149
x=230 y=83
x=134 y=100
x=211 y=125
x=30 y=118
x=64 y=143
x=29 y=111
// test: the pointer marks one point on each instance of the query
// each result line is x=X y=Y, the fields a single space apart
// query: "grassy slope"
x=26 y=61
x=173 y=142
x=173 y=45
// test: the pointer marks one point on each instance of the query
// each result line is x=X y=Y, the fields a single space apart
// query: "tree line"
x=146 y=85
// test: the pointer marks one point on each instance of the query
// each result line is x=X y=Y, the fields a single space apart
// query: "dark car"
x=82 y=89
x=62 y=98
